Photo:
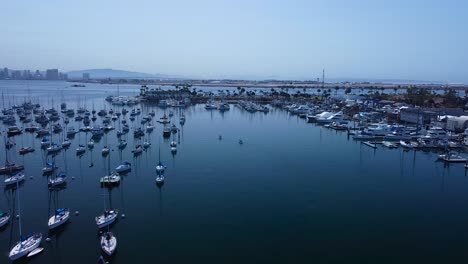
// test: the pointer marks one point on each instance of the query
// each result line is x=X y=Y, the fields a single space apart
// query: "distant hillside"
x=116 y=74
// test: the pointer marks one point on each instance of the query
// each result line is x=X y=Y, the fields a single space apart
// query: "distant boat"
x=25 y=150
x=59 y=179
x=80 y=149
x=15 y=178
x=113 y=178
x=138 y=150
x=124 y=167
x=105 y=151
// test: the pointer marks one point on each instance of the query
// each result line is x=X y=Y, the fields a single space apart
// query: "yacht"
x=378 y=129
x=323 y=115
x=336 y=117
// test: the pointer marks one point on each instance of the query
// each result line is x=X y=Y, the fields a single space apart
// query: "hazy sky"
x=404 y=39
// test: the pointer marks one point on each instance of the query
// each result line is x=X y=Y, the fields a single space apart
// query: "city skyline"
x=417 y=40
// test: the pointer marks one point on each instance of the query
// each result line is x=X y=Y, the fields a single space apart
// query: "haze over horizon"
x=416 y=40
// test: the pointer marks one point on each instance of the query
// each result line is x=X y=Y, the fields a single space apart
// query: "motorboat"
x=388 y=144
x=113 y=178
x=406 y=145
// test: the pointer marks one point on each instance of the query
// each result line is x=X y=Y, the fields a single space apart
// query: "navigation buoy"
x=123 y=215
x=48 y=239
x=77 y=213
x=73 y=177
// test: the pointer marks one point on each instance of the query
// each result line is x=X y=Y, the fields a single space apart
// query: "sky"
x=355 y=39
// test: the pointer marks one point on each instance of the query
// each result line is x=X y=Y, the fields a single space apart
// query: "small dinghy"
x=35 y=252
x=138 y=149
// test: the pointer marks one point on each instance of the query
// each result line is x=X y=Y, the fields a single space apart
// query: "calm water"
x=292 y=193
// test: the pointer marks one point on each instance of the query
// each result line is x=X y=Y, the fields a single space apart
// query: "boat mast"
x=19 y=210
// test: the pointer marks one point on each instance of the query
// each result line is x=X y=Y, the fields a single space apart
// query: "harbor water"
x=293 y=192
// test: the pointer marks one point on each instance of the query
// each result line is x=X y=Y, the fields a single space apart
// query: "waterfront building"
x=52 y=74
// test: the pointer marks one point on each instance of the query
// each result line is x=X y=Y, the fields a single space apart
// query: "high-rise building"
x=86 y=76
x=52 y=74
x=16 y=75
x=5 y=73
x=27 y=74
x=37 y=75
x=63 y=76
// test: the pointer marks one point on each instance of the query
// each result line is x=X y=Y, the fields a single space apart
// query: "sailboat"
x=107 y=218
x=124 y=167
x=4 y=218
x=10 y=167
x=160 y=169
x=27 y=243
x=59 y=179
x=60 y=217
x=108 y=243
x=110 y=178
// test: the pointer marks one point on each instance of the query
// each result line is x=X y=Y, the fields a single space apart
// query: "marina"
x=179 y=176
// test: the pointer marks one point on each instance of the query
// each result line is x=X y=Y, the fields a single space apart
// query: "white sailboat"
x=4 y=219
x=59 y=218
x=27 y=243
x=108 y=243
